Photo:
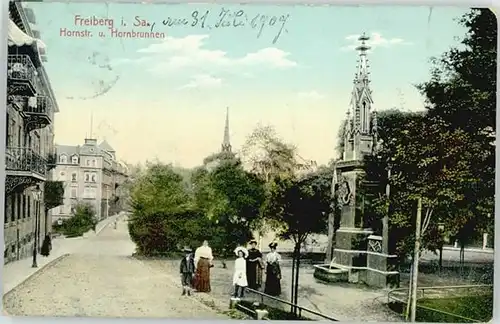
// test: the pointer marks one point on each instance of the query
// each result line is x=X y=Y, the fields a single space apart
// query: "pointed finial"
x=363 y=47
x=226 y=144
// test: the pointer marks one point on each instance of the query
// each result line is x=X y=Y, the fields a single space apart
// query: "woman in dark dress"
x=46 y=246
x=273 y=272
x=254 y=266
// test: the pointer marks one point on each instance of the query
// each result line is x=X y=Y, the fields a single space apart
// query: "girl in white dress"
x=240 y=272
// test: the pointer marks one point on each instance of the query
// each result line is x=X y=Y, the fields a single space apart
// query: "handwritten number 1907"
x=197 y=18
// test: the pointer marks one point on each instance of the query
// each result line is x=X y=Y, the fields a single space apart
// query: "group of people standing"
x=195 y=269
x=249 y=268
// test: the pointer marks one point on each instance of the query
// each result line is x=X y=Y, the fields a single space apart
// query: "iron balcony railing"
x=20 y=68
x=26 y=160
x=40 y=106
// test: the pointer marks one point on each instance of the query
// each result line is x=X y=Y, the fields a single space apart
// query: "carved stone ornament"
x=344 y=191
x=375 y=246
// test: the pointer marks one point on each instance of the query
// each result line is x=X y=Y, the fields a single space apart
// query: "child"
x=187 y=270
x=240 y=272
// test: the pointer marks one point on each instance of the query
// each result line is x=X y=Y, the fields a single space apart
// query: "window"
x=89 y=193
x=13 y=208
x=28 y=203
x=93 y=163
x=73 y=193
x=74 y=176
x=24 y=206
x=63 y=159
x=19 y=206
x=20 y=136
x=88 y=162
x=87 y=177
x=94 y=176
x=62 y=176
x=74 y=159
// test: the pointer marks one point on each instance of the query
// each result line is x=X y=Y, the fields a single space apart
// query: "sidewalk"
x=15 y=273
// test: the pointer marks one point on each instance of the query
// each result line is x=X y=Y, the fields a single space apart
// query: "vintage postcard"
x=223 y=161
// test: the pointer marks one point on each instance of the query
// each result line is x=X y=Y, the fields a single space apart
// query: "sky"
x=291 y=67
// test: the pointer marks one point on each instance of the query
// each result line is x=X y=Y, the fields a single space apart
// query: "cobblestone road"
x=101 y=279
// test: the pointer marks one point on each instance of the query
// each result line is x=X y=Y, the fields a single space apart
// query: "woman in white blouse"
x=273 y=272
x=203 y=259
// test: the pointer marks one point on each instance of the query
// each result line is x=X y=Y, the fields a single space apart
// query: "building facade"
x=29 y=136
x=90 y=174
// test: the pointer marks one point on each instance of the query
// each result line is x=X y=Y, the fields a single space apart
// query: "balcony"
x=24 y=168
x=38 y=112
x=22 y=77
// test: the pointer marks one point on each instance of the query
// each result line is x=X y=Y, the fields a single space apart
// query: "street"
x=101 y=279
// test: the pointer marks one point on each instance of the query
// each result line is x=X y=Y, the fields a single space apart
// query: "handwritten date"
x=226 y=18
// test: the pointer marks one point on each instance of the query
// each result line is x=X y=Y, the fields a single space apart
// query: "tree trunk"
x=416 y=254
x=296 y=285
x=462 y=257
x=292 y=285
x=440 y=258
x=408 y=301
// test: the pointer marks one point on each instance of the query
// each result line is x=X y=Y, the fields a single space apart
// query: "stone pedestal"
x=356 y=249
x=380 y=267
x=350 y=251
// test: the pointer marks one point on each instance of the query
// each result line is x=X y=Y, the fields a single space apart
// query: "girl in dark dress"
x=254 y=267
x=273 y=272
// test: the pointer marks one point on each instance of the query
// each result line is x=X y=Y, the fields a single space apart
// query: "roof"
x=105 y=146
x=67 y=149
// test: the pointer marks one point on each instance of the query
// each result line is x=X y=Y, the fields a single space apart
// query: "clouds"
x=190 y=52
x=376 y=40
x=310 y=95
x=202 y=81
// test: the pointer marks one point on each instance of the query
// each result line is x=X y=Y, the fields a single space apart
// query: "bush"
x=82 y=221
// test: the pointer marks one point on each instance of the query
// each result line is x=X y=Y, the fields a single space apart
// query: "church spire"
x=226 y=144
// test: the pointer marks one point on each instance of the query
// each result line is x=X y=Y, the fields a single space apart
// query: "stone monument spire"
x=359 y=135
x=358 y=255
x=226 y=144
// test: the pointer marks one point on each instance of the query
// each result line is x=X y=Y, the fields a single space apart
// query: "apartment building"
x=29 y=140
x=90 y=174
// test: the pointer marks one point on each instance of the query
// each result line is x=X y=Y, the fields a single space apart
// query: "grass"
x=478 y=308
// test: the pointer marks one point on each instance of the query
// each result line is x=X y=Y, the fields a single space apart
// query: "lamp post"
x=36 y=196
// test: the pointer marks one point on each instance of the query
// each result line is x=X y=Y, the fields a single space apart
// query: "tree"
x=53 y=197
x=302 y=206
x=232 y=198
x=82 y=221
x=269 y=157
x=462 y=93
x=426 y=162
x=161 y=208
